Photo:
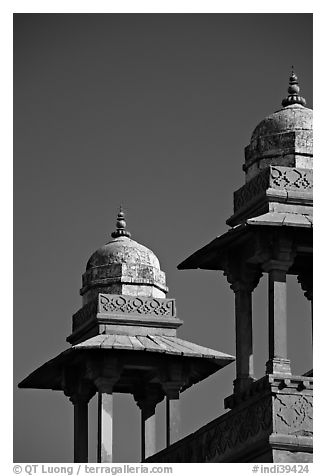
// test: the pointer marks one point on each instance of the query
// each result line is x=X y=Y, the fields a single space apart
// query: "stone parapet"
x=274 y=420
x=122 y=312
x=276 y=178
x=291 y=188
x=274 y=383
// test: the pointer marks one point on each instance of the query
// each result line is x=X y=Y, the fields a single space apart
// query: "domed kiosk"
x=271 y=232
x=124 y=340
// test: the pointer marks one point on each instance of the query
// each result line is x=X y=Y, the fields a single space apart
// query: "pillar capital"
x=84 y=398
x=279 y=254
x=79 y=392
x=172 y=389
x=105 y=384
x=148 y=397
x=278 y=265
x=242 y=276
x=105 y=374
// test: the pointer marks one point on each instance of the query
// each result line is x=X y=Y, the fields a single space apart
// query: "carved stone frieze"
x=293 y=414
x=84 y=314
x=275 y=177
x=277 y=410
x=118 y=304
x=239 y=429
x=254 y=187
x=225 y=435
x=291 y=178
x=124 y=305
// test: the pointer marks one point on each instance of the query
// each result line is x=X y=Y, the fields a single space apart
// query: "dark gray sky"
x=151 y=110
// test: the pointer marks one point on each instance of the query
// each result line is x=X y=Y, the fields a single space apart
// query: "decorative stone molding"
x=253 y=188
x=291 y=178
x=88 y=311
x=124 y=273
x=274 y=383
x=118 y=304
x=277 y=178
x=222 y=436
x=239 y=428
x=293 y=414
x=275 y=409
x=123 y=305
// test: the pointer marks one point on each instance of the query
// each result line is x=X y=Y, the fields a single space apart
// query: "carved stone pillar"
x=80 y=402
x=79 y=390
x=105 y=419
x=243 y=281
x=172 y=391
x=147 y=400
x=278 y=362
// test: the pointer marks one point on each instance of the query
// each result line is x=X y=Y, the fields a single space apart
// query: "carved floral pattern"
x=254 y=187
x=226 y=434
x=291 y=178
x=285 y=178
x=136 y=305
x=236 y=430
x=84 y=314
x=293 y=414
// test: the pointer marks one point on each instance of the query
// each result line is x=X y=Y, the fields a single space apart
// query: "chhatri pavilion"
x=124 y=340
x=124 y=337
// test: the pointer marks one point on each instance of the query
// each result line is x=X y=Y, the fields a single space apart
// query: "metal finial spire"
x=121 y=225
x=293 y=90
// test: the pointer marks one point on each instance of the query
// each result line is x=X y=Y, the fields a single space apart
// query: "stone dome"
x=123 y=250
x=283 y=138
x=294 y=117
x=123 y=266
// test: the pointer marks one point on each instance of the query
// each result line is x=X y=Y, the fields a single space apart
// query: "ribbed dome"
x=123 y=250
x=291 y=118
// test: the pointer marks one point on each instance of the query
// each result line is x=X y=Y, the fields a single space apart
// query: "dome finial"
x=121 y=226
x=293 y=90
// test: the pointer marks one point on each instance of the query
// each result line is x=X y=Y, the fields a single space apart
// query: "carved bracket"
x=240 y=275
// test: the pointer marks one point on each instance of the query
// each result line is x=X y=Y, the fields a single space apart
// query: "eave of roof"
x=49 y=375
x=201 y=257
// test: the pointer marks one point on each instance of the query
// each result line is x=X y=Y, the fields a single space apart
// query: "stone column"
x=243 y=281
x=244 y=339
x=80 y=391
x=80 y=403
x=147 y=401
x=172 y=391
x=105 y=420
x=277 y=317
